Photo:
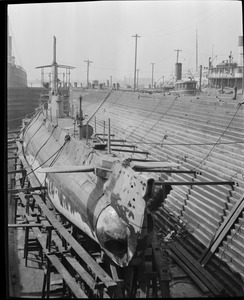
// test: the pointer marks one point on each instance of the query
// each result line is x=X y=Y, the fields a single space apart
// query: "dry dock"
x=201 y=132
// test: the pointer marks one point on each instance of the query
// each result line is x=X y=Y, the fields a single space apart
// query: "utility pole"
x=177 y=57
x=81 y=118
x=200 y=81
x=136 y=36
x=137 y=77
x=111 y=82
x=152 y=72
x=88 y=64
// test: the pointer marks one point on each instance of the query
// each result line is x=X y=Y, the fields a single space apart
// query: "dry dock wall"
x=202 y=133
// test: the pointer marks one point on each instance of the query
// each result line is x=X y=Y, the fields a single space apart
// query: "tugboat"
x=187 y=86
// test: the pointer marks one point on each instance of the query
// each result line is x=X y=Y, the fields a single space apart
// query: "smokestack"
x=178 y=71
x=240 y=50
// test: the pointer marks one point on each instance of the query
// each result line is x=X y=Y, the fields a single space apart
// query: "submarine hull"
x=109 y=204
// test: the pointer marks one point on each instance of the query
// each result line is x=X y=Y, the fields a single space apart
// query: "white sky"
x=102 y=32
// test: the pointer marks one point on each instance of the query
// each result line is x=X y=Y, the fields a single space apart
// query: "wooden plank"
x=21 y=195
x=30 y=189
x=199 y=283
x=70 y=281
x=13 y=131
x=15 y=171
x=162 y=268
x=132 y=151
x=12 y=148
x=215 y=287
x=120 y=290
x=24 y=225
x=140 y=159
x=11 y=141
x=73 y=262
x=103 y=276
x=194 y=182
x=81 y=271
x=12 y=157
x=104 y=134
x=123 y=145
x=167 y=171
x=90 y=281
x=222 y=232
x=115 y=140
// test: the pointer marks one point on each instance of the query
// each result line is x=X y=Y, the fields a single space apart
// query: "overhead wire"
x=33 y=135
x=222 y=134
x=57 y=156
x=189 y=144
x=176 y=98
x=44 y=143
x=55 y=153
x=155 y=108
x=31 y=123
x=24 y=130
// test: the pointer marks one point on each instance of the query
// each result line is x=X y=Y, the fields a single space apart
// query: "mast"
x=54 y=67
x=196 y=51
x=10 y=48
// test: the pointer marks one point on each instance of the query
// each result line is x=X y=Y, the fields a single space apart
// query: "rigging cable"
x=44 y=143
x=187 y=144
x=36 y=114
x=25 y=128
x=55 y=153
x=216 y=143
x=176 y=98
x=144 y=119
x=116 y=100
x=56 y=157
x=33 y=135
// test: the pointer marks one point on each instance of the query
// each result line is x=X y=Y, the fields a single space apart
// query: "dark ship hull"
x=17 y=76
x=22 y=101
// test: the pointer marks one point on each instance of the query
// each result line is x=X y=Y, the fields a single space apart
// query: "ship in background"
x=186 y=85
x=21 y=99
x=227 y=73
x=17 y=76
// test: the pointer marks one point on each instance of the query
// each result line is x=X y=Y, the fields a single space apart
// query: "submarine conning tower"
x=55 y=98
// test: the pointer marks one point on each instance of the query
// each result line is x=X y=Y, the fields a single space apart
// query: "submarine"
x=102 y=193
